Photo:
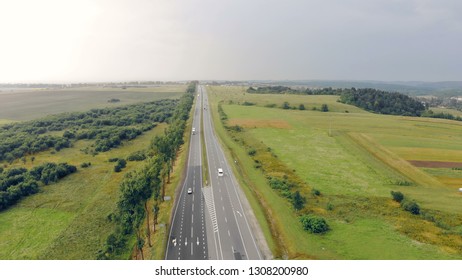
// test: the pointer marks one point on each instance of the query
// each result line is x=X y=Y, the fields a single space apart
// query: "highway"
x=188 y=239
x=209 y=223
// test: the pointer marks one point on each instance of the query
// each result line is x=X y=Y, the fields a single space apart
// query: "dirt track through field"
x=435 y=164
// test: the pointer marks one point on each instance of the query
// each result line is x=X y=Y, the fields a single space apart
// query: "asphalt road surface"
x=210 y=222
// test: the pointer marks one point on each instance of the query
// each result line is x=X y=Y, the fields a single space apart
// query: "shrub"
x=298 y=201
x=329 y=206
x=121 y=163
x=404 y=183
x=247 y=103
x=411 y=206
x=397 y=196
x=314 y=224
x=251 y=152
x=315 y=192
x=85 y=164
x=137 y=156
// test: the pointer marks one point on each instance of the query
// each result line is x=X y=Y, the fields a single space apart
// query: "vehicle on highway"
x=189 y=191
x=193 y=130
x=220 y=172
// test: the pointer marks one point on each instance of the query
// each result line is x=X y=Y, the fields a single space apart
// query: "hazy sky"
x=98 y=40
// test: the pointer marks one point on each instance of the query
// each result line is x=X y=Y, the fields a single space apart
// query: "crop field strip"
x=349 y=173
x=29 y=105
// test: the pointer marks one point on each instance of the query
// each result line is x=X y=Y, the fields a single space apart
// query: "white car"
x=220 y=172
x=193 y=130
x=189 y=191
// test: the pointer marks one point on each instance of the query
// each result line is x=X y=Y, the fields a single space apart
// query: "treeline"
x=109 y=126
x=383 y=102
x=441 y=115
x=288 y=90
x=16 y=183
x=139 y=186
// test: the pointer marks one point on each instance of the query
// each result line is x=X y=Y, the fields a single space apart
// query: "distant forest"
x=383 y=102
x=288 y=90
x=377 y=101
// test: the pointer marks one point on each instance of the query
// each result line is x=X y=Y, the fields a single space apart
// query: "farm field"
x=354 y=158
x=29 y=105
x=68 y=219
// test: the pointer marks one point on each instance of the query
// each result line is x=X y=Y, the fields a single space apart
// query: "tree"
x=301 y=107
x=324 y=108
x=156 y=213
x=298 y=201
x=148 y=229
x=397 y=196
x=314 y=224
x=285 y=105
x=139 y=245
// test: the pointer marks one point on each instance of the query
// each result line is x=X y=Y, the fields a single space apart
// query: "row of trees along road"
x=149 y=182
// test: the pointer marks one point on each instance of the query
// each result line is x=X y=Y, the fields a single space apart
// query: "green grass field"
x=34 y=104
x=355 y=159
x=68 y=219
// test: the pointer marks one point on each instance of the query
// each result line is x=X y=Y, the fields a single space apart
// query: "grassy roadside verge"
x=205 y=163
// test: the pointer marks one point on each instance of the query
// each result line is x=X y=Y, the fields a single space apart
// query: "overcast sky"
x=112 y=40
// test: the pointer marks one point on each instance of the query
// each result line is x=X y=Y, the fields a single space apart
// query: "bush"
x=121 y=163
x=251 y=152
x=85 y=164
x=137 y=156
x=397 y=196
x=411 y=206
x=314 y=224
x=298 y=201
x=315 y=192
x=330 y=206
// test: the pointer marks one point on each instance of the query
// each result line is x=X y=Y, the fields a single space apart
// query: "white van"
x=220 y=172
